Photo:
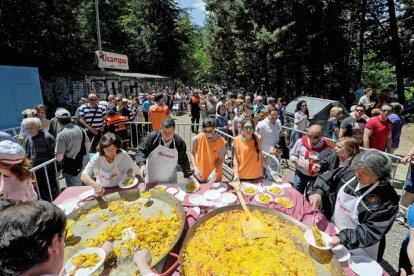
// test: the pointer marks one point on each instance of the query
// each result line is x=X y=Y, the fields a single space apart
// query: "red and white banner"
x=112 y=60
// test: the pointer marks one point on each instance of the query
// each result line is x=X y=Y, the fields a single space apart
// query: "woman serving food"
x=111 y=165
x=365 y=206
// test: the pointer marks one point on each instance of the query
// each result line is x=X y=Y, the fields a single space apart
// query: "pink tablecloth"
x=301 y=211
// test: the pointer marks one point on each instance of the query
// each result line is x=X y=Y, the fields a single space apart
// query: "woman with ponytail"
x=248 y=163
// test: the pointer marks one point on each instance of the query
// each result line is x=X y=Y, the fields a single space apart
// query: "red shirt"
x=380 y=132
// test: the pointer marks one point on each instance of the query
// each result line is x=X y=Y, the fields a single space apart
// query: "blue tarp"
x=20 y=89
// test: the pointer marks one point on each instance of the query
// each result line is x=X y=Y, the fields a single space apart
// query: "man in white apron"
x=159 y=154
x=365 y=206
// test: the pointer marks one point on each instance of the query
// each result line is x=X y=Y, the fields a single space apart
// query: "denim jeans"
x=72 y=180
x=300 y=181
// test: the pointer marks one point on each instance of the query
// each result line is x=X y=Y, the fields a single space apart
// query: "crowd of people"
x=340 y=167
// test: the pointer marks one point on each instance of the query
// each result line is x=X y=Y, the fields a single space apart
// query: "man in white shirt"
x=269 y=130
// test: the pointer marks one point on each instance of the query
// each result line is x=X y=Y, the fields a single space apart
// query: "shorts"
x=409 y=185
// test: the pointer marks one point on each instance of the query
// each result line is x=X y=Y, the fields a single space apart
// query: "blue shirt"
x=397 y=125
x=410 y=221
x=146 y=106
x=258 y=108
x=221 y=121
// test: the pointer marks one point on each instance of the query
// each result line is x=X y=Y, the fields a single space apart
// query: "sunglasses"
x=259 y=101
x=92 y=100
x=208 y=131
x=304 y=105
x=359 y=110
x=385 y=110
x=314 y=136
x=248 y=127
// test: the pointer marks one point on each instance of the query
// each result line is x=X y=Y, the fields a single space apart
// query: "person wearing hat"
x=55 y=128
x=72 y=146
x=27 y=113
x=158 y=112
x=15 y=176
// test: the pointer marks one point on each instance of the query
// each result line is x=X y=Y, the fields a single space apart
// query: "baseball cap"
x=62 y=113
x=11 y=153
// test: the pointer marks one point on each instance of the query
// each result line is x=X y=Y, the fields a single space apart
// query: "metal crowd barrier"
x=44 y=166
x=184 y=131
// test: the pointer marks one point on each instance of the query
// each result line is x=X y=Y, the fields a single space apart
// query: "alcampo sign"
x=112 y=60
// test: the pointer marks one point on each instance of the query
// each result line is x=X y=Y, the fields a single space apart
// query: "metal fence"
x=44 y=175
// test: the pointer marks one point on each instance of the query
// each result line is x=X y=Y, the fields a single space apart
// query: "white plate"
x=228 y=198
x=365 y=266
x=275 y=186
x=212 y=194
x=199 y=200
x=123 y=186
x=221 y=187
x=341 y=253
x=311 y=239
x=246 y=185
x=256 y=198
x=89 y=270
x=87 y=194
x=69 y=205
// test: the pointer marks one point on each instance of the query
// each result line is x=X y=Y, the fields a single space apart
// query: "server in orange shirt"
x=208 y=153
x=248 y=163
x=158 y=112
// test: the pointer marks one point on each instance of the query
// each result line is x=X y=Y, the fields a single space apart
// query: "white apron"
x=346 y=217
x=162 y=165
x=109 y=179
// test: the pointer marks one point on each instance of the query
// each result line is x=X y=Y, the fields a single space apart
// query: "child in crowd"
x=15 y=176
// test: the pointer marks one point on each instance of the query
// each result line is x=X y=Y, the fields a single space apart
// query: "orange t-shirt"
x=248 y=160
x=207 y=155
x=157 y=114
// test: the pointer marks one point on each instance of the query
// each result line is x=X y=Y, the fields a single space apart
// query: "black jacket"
x=152 y=140
x=376 y=211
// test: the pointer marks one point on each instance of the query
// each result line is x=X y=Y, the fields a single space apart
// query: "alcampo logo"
x=107 y=58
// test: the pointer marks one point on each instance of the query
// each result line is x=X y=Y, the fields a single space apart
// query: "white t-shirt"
x=302 y=124
x=269 y=133
x=122 y=161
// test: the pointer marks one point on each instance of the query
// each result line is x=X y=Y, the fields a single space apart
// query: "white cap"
x=62 y=113
x=11 y=153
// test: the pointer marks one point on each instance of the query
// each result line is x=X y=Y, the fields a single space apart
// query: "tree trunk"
x=396 y=50
x=361 y=41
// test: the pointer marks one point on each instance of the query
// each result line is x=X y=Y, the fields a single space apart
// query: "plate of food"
x=249 y=189
x=192 y=187
x=287 y=203
x=275 y=190
x=263 y=198
x=128 y=183
x=317 y=238
x=86 y=262
x=161 y=187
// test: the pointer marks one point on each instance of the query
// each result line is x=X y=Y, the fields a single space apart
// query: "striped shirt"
x=88 y=112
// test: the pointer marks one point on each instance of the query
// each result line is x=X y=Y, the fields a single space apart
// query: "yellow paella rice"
x=284 y=202
x=157 y=233
x=191 y=186
x=264 y=198
x=249 y=190
x=219 y=248
x=276 y=190
x=318 y=236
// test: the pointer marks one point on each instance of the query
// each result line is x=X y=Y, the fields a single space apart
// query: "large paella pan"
x=215 y=245
x=156 y=218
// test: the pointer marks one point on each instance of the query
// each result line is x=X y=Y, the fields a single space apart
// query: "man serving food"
x=160 y=152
